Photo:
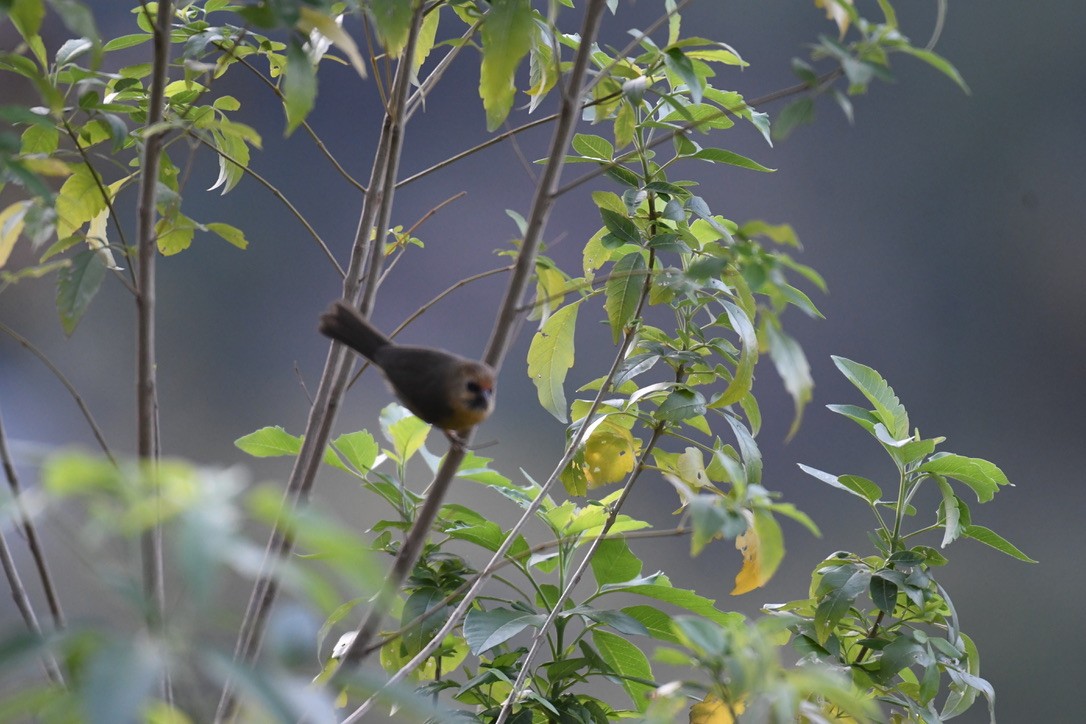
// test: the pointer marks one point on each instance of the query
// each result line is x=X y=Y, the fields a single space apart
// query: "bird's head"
x=475 y=399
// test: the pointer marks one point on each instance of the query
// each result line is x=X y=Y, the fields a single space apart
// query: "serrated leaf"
x=506 y=38
x=77 y=284
x=359 y=448
x=888 y=408
x=982 y=476
x=591 y=146
x=628 y=662
x=550 y=357
x=623 y=292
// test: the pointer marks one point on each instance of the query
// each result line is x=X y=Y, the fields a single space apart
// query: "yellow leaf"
x=608 y=455
x=836 y=11
x=713 y=710
x=11 y=225
x=762 y=547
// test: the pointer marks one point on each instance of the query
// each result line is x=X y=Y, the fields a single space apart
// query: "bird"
x=445 y=390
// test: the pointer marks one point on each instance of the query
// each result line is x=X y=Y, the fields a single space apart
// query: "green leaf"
x=230 y=233
x=837 y=602
x=126 y=41
x=660 y=588
x=655 y=621
x=269 y=442
x=681 y=404
x=677 y=62
x=621 y=227
x=883 y=591
x=596 y=147
x=406 y=432
x=299 y=86
x=623 y=292
x=791 y=364
x=26 y=15
x=939 y=63
x=507 y=38
x=79 y=200
x=980 y=475
x=614 y=562
x=951 y=513
x=795 y=114
x=77 y=17
x=359 y=448
x=550 y=357
x=743 y=378
x=392 y=20
x=719 y=155
x=991 y=538
x=888 y=409
x=859 y=490
x=864 y=418
x=76 y=286
x=627 y=661
x=483 y=630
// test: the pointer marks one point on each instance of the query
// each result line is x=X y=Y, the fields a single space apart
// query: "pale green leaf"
x=792 y=366
x=550 y=357
x=269 y=442
x=980 y=475
x=995 y=540
x=888 y=408
x=506 y=38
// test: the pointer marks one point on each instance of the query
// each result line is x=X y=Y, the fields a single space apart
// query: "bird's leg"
x=457 y=442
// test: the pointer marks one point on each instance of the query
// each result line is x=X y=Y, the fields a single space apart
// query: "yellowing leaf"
x=763 y=548
x=713 y=710
x=78 y=201
x=11 y=225
x=837 y=12
x=609 y=454
x=550 y=356
x=425 y=42
x=98 y=240
x=507 y=38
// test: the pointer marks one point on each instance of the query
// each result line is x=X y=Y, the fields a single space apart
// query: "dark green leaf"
x=681 y=404
x=629 y=662
x=484 y=630
x=76 y=286
x=614 y=562
x=623 y=291
x=719 y=155
x=299 y=85
x=993 y=539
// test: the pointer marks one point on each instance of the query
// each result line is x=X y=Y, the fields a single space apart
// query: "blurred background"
x=948 y=227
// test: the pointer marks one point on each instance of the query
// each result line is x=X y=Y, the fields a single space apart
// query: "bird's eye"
x=474 y=388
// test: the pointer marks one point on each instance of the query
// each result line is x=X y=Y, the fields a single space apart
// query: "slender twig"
x=870 y=634
x=418 y=98
x=305 y=125
x=501 y=337
x=31 y=532
x=22 y=602
x=80 y=403
x=277 y=194
x=509 y=560
x=128 y=283
x=146 y=376
x=329 y=393
x=940 y=20
x=416 y=225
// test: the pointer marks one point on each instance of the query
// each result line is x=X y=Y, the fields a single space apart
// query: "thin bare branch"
x=277 y=194
x=95 y=430
x=305 y=125
x=330 y=389
x=31 y=533
x=22 y=602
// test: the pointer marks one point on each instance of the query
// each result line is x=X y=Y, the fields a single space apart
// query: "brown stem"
x=329 y=393
x=22 y=602
x=870 y=634
x=31 y=532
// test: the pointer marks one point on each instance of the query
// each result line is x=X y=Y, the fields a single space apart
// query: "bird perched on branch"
x=448 y=391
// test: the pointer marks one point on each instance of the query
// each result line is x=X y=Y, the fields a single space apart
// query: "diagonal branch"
x=22 y=602
x=31 y=532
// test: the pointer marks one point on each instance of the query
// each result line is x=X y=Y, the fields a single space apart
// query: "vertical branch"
x=146 y=383
x=31 y=532
x=364 y=265
x=501 y=337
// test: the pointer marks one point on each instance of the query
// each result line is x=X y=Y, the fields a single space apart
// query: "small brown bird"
x=443 y=389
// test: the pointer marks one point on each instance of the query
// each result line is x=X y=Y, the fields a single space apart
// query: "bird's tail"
x=343 y=323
